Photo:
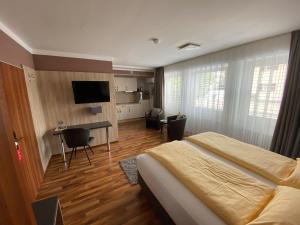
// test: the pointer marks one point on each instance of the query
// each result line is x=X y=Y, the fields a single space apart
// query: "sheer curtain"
x=236 y=92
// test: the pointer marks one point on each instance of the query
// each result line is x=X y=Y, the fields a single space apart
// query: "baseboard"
x=130 y=120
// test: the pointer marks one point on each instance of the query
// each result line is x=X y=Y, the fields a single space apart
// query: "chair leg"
x=71 y=157
x=75 y=153
x=87 y=155
x=91 y=149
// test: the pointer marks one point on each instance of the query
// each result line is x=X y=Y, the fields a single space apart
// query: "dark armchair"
x=175 y=128
x=153 y=118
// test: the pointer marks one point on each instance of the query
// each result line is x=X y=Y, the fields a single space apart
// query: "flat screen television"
x=90 y=91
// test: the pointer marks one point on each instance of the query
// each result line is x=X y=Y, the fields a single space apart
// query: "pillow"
x=180 y=116
x=155 y=112
x=294 y=179
x=283 y=209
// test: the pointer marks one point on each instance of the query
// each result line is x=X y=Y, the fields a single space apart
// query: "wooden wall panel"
x=58 y=103
x=38 y=115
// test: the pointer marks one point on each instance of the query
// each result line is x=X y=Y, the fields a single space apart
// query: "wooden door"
x=13 y=208
x=17 y=121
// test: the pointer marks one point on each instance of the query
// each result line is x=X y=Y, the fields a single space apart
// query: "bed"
x=180 y=204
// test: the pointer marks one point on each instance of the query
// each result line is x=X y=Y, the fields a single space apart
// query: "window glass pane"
x=210 y=87
x=173 y=91
x=267 y=90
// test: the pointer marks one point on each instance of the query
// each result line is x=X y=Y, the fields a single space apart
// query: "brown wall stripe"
x=13 y=53
x=57 y=63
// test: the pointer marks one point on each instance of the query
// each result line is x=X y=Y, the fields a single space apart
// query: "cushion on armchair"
x=180 y=116
x=153 y=118
x=155 y=112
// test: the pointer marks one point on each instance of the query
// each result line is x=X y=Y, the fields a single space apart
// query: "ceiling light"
x=155 y=40
x=188 y=46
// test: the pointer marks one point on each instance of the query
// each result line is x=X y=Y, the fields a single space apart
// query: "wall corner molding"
x=15 y=37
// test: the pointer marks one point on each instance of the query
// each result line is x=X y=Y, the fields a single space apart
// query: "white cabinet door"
x=120 y=112
x=136 y=108
x=132 y=111
x=125 y=84
x=124 y=112
x=140 y=112
x=120 y=84
x=131 y=84
x=145 y=106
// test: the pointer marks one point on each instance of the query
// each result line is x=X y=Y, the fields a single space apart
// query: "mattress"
x=182 y=206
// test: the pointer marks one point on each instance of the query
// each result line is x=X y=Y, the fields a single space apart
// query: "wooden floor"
x=100 y=193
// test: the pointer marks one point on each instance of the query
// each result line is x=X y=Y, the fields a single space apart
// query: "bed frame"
x=159 y=209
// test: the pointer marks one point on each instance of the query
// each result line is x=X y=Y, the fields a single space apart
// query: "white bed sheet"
x=181 y=204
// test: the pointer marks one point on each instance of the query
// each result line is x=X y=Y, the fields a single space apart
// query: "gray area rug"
x=130 y=169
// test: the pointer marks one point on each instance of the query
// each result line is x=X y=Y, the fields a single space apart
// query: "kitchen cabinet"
x=132 y=111
x=119 y=84
x=125 y=84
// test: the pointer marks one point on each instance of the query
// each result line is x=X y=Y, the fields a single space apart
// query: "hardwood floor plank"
x=100 y=193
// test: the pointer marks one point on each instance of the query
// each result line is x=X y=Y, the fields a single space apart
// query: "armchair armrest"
x=170 y=118
x=147 y=114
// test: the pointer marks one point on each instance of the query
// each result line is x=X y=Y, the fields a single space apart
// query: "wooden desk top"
x=96 y=125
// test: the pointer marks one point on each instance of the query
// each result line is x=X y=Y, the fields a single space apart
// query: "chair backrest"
x=170 y=118
x=155 y=112
x=176 y=128
x=76 y=137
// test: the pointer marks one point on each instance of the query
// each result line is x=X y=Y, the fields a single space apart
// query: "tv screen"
x=90 y=91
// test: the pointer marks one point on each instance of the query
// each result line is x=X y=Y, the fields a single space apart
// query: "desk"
x=90 y=126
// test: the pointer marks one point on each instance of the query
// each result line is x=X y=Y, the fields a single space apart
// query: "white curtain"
x=236 y=92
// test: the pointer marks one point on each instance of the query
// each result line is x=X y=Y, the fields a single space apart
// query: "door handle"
x=17 y=145
x=16 y=139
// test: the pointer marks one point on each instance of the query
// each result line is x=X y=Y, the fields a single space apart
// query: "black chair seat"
x=78 y=137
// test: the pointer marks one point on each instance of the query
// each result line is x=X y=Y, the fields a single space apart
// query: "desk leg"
x=63 y=149
x=107 y=139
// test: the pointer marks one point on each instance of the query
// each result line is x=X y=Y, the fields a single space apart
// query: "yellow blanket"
x=268 y=164
x=234 y=196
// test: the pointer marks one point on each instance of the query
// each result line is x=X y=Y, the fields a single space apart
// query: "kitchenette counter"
x=132 y=110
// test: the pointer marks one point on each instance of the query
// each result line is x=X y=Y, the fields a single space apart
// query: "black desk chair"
x=78 y=137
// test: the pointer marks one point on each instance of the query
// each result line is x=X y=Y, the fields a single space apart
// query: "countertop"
x=133 y=103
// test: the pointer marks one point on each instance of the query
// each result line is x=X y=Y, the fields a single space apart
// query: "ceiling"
x=120 y=29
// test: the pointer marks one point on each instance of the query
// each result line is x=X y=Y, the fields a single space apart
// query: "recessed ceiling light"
x=188 y=46
x=155 y=40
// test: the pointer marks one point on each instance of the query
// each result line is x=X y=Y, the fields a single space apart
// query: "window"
x=236 y=92
x=267 y=90
x=173 y=91
x=210 y=87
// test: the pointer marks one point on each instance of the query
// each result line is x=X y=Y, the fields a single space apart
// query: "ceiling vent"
x=188 y=46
